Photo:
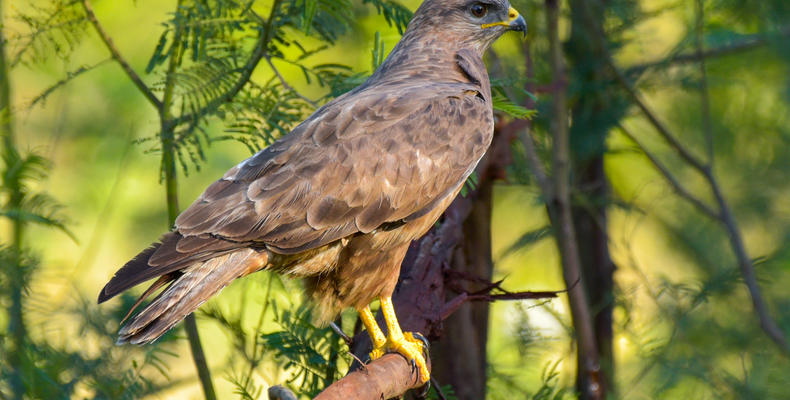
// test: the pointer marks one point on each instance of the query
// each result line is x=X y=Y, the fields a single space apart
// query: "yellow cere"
x=512 y=14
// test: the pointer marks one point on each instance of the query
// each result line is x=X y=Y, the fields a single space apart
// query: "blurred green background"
x=684 y=326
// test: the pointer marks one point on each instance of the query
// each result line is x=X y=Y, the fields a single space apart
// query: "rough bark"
x=387 y=377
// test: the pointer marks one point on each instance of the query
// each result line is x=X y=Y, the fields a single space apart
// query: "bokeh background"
x=683 y=324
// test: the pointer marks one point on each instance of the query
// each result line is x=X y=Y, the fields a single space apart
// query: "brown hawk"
x=338 y=200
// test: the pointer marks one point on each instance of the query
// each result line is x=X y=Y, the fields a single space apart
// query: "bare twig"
x=69 y=77
x=144 y=89
x=438 y=388
x=340 y=333
x=166 y=137
x=746 y=266
x=456 y=302
x=663 y=131
x=535 y=165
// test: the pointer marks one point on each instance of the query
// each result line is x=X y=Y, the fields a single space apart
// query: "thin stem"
x=166 y=137
x=726 y=50
x=746 y=266
x=663 y=131
x=535 y=165
x=707 y=127
x=287 y=86
x=530 y=149
x=258 y=326
x=590 y=387
x=144 y=89
x=671 y=179
x=17 y=330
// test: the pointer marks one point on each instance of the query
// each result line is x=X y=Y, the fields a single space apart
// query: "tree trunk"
x=466 y=331
x=596 y=111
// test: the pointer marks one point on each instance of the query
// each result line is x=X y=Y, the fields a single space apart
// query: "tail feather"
x=162 y=281
x=162 y=258
x=197 y=283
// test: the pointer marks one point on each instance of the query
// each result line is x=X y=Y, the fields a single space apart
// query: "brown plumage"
x=338 y=200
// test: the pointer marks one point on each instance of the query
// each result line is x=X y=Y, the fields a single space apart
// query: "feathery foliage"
x=314 y=354
x=52 y=29
x=41 y=368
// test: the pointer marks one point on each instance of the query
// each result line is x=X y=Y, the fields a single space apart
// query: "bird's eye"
x=479 y=10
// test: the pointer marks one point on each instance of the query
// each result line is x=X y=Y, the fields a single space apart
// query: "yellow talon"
x=396 y=341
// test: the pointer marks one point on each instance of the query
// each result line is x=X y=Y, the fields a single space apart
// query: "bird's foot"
x=413 y=346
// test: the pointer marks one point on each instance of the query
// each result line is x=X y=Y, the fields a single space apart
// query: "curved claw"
x=415 y=350
x=424 y=340
x=412 y=346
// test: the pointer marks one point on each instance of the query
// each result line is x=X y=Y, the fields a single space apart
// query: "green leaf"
x=310 y=9
x=503 y=104
x=528 y=239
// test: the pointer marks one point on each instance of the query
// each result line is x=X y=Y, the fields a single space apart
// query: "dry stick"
x=724 y=216
x=563 y=220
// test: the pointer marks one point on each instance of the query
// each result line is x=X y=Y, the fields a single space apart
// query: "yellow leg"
x=376 y=336
x=403 y=343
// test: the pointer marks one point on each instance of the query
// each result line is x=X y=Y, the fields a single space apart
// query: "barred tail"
x=190 y=287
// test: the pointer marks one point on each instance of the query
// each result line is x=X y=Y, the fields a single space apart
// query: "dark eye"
x=479 y=10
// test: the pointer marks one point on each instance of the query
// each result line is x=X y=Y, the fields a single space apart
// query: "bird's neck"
x=426 y=57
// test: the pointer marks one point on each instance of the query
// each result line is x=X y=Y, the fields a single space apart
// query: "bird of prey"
x=338 y=200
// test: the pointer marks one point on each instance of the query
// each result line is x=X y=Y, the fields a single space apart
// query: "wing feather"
x=381 y=156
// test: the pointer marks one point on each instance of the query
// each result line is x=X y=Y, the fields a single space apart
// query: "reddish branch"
x=387 y=377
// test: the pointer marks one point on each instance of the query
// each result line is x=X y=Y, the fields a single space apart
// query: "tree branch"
x=671 y=179
x=696 y=56
x=387 y=377
x=144 y=89
x=287 y=86
x=746 y=266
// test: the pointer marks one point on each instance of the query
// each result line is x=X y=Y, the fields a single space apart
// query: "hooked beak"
x=515 y=22
x=519 y=25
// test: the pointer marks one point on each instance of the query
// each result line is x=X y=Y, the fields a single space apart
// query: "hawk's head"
x=474 y=22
